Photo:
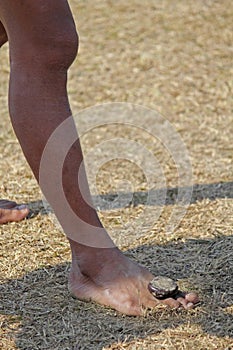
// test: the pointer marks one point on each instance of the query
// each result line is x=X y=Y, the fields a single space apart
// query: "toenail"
x=21 y=207
x=189 y=305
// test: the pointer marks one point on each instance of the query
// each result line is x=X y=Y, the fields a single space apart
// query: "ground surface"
x=174 y=57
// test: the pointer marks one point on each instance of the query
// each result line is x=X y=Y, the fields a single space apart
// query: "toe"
x=185 y=303
x=174 y=304
x=19 y=214
x=186 y=300
x=192 y=298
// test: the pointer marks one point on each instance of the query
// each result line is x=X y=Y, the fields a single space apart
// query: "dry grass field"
x=174 y=57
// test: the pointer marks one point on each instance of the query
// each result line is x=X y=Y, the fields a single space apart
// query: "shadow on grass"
x=51 y=319
x=119 y=200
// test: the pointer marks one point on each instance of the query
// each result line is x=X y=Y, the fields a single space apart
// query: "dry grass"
x=175 y=57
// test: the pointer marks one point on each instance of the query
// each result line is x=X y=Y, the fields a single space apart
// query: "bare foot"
x=108 y=277
x=10 y=211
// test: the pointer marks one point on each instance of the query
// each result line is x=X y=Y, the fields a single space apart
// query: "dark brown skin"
x=9 y=210
x=43 y=44
x=3 y=35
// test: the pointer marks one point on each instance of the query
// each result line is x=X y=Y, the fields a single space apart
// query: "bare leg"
x=41 y=52
x=10 y=211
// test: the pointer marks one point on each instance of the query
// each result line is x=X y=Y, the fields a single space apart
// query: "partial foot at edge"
x=10 y=211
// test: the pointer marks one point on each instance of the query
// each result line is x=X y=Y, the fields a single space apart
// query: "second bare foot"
x=11 y=211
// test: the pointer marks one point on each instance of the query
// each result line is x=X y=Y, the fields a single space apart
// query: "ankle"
x=92 y=260
x=81 y=252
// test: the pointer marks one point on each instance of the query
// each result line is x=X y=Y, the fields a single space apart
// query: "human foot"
x=11 y=211
x=108 y=277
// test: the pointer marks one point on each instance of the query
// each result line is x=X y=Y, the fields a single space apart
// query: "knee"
x=53 y=49
x=59 y=50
